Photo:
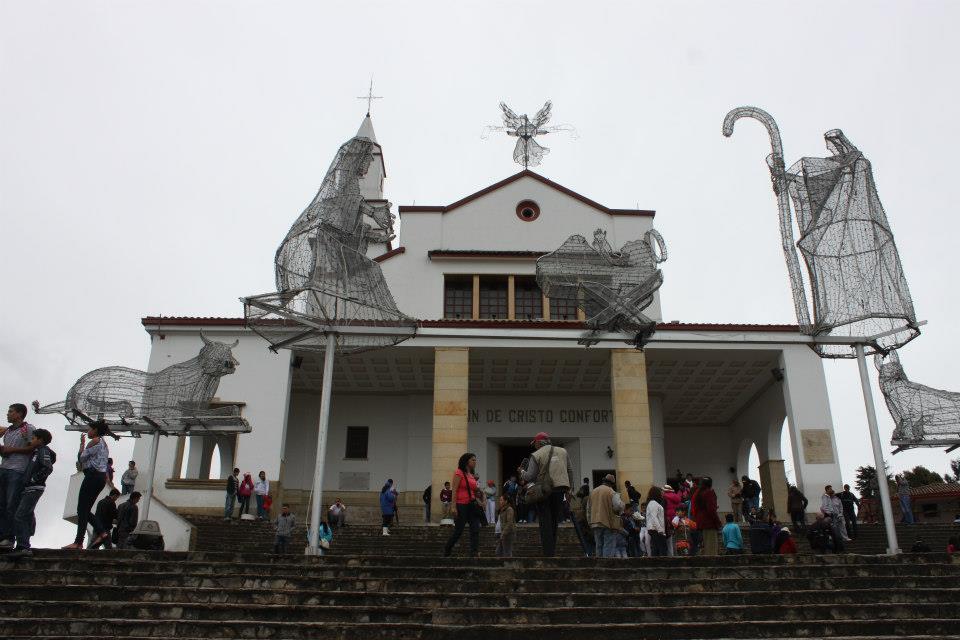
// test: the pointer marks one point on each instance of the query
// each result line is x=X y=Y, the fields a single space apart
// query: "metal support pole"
x=148 y=490
x=316 y=503
x=892 y=546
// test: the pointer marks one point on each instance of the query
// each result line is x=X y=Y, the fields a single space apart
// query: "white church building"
x=494 y=362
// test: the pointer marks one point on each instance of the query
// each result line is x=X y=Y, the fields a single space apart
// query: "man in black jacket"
x=750 y=492
x=106 y=514
x=233 y=483
x=127 y=516
x=35 y=477
x=849 y=500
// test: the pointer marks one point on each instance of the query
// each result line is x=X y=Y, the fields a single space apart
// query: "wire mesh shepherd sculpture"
x=922 y=415
x=528 y=152
x=612 y=287
x=857 y=284
x=182 y=389
x=325 y=281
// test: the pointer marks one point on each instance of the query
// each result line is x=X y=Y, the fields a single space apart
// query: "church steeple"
x=371 y=185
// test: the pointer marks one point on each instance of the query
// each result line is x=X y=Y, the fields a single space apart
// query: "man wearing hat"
x=605 y=503
x=556 y=465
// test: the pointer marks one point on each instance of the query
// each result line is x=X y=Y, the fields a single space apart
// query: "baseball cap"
x=543 y=435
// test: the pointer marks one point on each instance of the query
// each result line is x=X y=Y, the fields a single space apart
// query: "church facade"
x=494 y=362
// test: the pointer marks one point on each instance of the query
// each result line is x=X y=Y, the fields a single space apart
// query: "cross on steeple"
x=369 y=97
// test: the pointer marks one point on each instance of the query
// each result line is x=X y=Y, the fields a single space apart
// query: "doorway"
x=511 y=457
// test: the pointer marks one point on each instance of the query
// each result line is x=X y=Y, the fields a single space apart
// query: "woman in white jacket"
x=656 y=527
x=262 y=489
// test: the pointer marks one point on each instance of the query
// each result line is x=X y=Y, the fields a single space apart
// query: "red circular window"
x=528 y=210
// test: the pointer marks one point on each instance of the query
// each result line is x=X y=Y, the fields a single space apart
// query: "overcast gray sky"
x=153 y=154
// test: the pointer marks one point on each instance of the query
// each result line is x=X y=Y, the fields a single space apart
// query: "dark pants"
x=24 y=521
x=696 y=541
x=799 y=519
x=658 y=544
x=585 y=536
x=244 y=505
x=851 y=519
x=280 y=544
x=11 y=485
x=549 y=512
x=93 y=483
x=466 y=514
x=387 y=519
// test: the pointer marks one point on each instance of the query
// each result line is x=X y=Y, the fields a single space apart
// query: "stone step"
x=433 y=600
x=614 y=612
x=128 y=627
x=679 y=585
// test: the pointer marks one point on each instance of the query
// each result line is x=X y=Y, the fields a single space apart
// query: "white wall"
x=703 y=451
x=261 y=380
x=490 y=223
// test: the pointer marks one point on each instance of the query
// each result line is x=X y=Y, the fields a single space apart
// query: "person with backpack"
x=551 y=486
x=35 y=477
x=603 y=509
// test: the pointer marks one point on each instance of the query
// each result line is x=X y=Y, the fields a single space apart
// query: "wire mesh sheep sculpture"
x=611 y=287
x=922 y=415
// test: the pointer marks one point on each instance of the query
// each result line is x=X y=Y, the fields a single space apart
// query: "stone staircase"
x=373 y=587
x=215 y=534
x=85 y=595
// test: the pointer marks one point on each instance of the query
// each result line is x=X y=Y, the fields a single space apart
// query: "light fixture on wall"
x=609 y=452
x=777 y=374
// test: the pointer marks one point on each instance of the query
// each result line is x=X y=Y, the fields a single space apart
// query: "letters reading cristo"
x=539 y=416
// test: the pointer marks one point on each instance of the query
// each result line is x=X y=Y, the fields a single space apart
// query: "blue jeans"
x=228 y=505
x=24 y=519
x=605 y=541
x=906 y=508
x=11 y=485
x=261 y=512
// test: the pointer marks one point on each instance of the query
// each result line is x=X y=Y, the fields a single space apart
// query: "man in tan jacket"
x=602 y=513
x=556 y=463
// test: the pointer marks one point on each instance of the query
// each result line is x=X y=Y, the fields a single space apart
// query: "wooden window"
x=493 y=297
x=357 y=440
x=563 y=309
x=458 y=297
x=528 y=299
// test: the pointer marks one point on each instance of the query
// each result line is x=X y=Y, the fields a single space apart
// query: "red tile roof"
x=526 y=173
x=936 y=490
x=189 y=321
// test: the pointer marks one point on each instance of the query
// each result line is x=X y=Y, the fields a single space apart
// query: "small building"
x=936 y=503
x=494 y=362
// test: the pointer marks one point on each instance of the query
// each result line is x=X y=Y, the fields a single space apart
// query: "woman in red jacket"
x=785 y=543
x=706 y=516
x=244 y=493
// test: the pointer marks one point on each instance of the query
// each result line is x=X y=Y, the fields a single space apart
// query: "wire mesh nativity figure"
x=182 y=389
x=612 y=287
x=857 y=284
x=325 y=281
x=528 y=152
x=922 y=415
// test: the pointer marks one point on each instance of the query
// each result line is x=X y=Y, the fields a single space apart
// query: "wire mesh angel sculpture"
x=922 y=415
x=182 y=389
x=857 y=284
x=612 y=287
x=528 y=152
x=325 y=281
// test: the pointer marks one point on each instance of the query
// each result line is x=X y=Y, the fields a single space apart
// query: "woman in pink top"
x=244 y=493
x=671 y=500
x=467 y=497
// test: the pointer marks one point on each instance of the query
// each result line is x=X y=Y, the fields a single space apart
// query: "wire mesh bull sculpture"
x=182 y=389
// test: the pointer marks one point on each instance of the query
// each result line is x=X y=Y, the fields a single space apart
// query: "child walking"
x=508 y=528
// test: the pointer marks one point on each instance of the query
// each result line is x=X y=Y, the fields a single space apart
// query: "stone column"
x=451 y=383
x=773 y=482
x=632 y=438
